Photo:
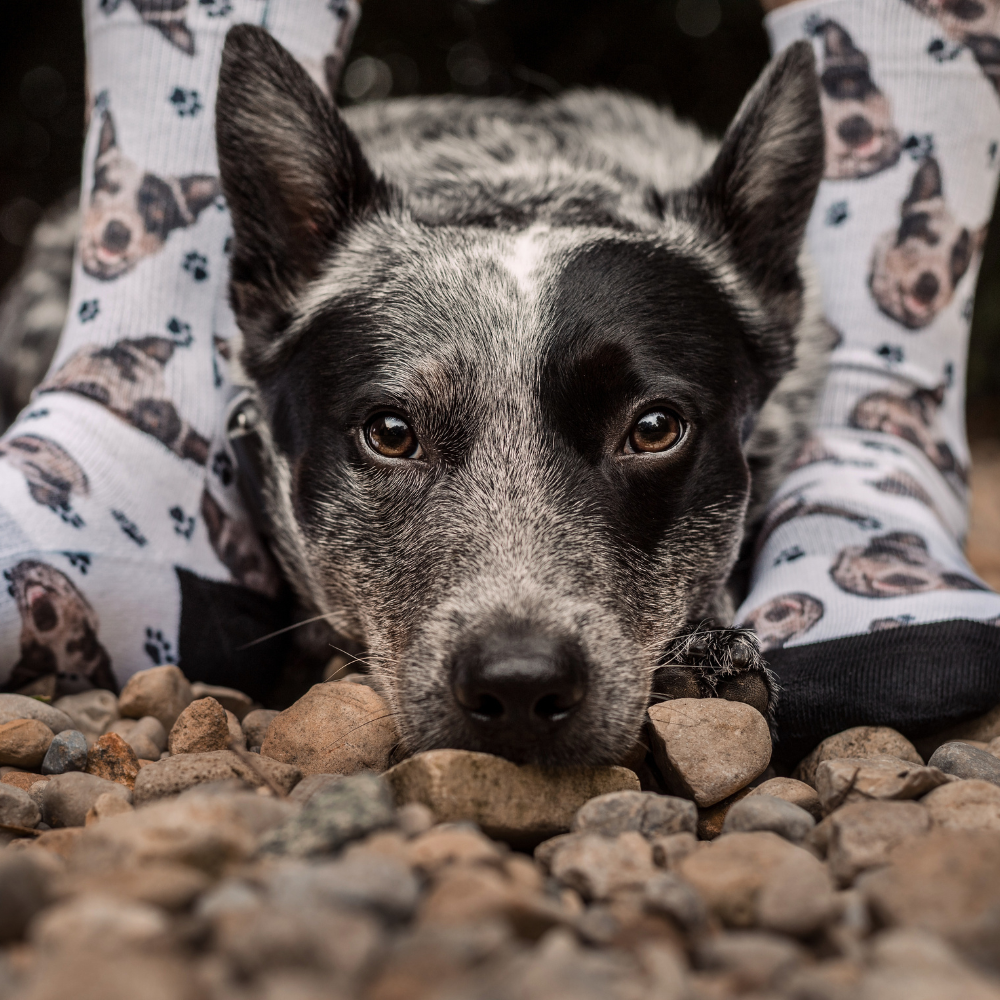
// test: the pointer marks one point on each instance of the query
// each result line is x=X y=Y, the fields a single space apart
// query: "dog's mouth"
x=43 y=612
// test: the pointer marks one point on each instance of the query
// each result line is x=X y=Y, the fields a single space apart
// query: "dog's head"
x=508 y=446
x=53 y=474
x=861 y=139
x=783 y=618
x=917 y=266
x=131 y=212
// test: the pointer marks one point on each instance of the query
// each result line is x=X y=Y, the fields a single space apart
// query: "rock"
x=334 y=728
x=708 y=748
x=22 y=779
x=791 y=790
x=669 y=851
x=255 y=725
x=91 y=711
x=982 y=729
x=766 y=812
x=66 y=752
x=354 y=806
x=93 y=921
x=964 y=805
x=171 y=887
x=667 y=894
x=146 y=736
x=414 y=819
x=174 y=774
x=112 y=758
x=844 y=780
x=311 y=784
x=163 y=692
x=522 y=805
x=19 y=706
x=24 y=888
x=597 y=867
x=230 y=699
x=712 y=819
x=106 y=804
x=966 y=762
x=236 y=734
x=859 y=836
x=453 y=844
x=863 y=742
x=730 y=872
x=647 y=813
x=23 y=742
x=940 y=882
x=66 y=798
x=76 y=972
x=797 y=898
x=752 y=959
x=200 y=728
x=17 y=808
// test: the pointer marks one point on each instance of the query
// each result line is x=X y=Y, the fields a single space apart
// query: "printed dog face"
x=53 y=474
x=131 y=211
x=127 y=378
x=894 y=565
x=857 y=117
x=59 y=632
x=974 y=23
x=783 y=618
x=240 y=549
x=508 y=403
x=916 y=267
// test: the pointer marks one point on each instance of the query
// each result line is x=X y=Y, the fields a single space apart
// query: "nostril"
x=486 y=706
x=856 y=130
x=926 y=288
x=556 y=707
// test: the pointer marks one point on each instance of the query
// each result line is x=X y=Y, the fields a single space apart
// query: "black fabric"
x=918 y=679
x=217 y=621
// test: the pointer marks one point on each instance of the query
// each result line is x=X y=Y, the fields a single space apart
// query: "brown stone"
x=22 y=779
x=859 y=836
x=597 y=867
x=106 y=805
x=65 y=799
x=522 y=805
x=163 y=692
x=844 y=780
x=713 y=819
x=791 y=790
x=450 y=844
x=230 y=699
x=668 y=852
x=91 y=711
x=730 y=872
x=708 y=748
x=236 y=734
x=255 y=725
x=334 y=728
x=113 y=759
x=23 y=742
x=964 y=805
x=168 y=886
x=60 y=842
x=797 y=898
x=862 y=742
x=200 y=728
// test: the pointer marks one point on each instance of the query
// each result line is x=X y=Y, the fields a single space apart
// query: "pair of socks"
x=124 y=541
x=863 y=601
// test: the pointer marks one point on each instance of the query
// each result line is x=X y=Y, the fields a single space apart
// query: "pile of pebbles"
x=180 y=843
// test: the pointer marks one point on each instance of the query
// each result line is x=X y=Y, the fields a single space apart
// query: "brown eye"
x=392 y=437
x=656 y=430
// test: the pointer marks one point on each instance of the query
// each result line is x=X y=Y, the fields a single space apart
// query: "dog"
x=131 y=212
x=516 y=366
x=783 y=618
x=916 y=267
x=894 y=565
x=861 y=139
x=53 y=475
x=59 y=632
x=973 y=23
x=127 y=378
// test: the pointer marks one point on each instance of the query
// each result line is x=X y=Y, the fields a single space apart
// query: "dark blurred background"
x=699 y=56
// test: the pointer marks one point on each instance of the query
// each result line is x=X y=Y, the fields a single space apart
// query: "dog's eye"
x=392 y=437
x=655 y=430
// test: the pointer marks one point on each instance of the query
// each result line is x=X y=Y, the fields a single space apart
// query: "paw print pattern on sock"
x=789 y=555
x=129 y=527
x=894 y=565
x=216 y=8
x=183 y=523
x=186 y=102
x=941 y=51
x=88 y=310
x=196 y=264
x=78 y=560
x=158 y=647
x=919 y=146
x=180 y=332
x=783 y=618
x=222 y=467
x=893 y=355
x=52 y=474
x=974 y=24
x=837 y=214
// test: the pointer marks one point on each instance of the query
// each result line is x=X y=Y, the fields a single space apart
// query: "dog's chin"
x=97 y=267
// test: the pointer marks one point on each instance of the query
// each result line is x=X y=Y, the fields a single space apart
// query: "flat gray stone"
x=24 y=888
x=91 y=711
x=66 y=798
x=18 y=809
x=19 y=706
x=666 y=893
x=767 y=812
x=964 y=761
x=67 y=752
x=647 y=813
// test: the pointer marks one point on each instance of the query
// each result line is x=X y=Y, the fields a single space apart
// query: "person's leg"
x=862 y=598
x=123 y=538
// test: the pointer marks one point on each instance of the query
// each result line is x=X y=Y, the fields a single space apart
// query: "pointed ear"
x=199 y=192
x=176 y=32
x=836 y=41
x=293 y=174
x=108 y=139
x=760 y=189
x=926 y=183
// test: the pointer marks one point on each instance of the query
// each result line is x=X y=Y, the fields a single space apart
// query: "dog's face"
x=131 y=212
x=53 y=474
x=861 y=139
x=508 y=457
x=917 y=266
x=783 y=618
x=965 y=21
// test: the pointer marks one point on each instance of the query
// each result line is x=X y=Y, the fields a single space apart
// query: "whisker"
x=281 y=631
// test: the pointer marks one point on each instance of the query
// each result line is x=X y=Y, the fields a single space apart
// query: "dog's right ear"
x=926 y=183
x=294 y=177
x=107 y=139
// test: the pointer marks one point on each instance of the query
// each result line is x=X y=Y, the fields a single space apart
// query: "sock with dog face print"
x=123 y=537
x=863 y=601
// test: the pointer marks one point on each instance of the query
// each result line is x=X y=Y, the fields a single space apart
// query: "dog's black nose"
x=117 y=236
x=856 y=130
x=519 y=683
x=926 y=288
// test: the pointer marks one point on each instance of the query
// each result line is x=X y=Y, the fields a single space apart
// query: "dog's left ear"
x=760 y=189
x=199 y=191
x=294 y=177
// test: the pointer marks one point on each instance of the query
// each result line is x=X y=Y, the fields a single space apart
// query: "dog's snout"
x=856 y=130
x=926 y=288
x=524 y=684
x=116 y=236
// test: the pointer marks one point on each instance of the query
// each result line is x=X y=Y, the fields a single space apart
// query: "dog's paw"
x=717 y=663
